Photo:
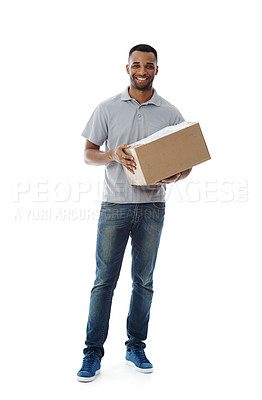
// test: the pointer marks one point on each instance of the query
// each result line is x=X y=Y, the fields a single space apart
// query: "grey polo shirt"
x=122 y=120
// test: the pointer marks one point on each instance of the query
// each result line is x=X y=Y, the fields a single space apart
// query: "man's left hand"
x=170 y=179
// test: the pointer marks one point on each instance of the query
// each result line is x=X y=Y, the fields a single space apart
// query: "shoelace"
x=88 y=362
x=140 y=354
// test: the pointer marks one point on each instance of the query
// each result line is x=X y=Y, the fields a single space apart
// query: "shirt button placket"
x=139 y=115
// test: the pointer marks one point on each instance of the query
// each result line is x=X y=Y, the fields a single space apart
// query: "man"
x=126 y=210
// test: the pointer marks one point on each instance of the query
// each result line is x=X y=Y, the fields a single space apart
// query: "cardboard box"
x=167 y=152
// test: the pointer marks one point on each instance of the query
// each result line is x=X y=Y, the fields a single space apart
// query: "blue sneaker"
x=90 y=368
x=135 y=357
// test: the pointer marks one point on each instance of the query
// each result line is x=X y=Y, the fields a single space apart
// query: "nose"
x=143 y=71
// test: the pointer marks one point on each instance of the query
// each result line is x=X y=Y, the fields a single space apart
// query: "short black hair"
x=143 y=47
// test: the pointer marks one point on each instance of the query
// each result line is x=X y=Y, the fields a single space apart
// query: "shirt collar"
x=155 y=99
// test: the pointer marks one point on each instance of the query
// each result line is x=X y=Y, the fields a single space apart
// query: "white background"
x=59 y=60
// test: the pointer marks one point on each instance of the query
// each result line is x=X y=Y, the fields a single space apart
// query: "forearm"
x=94 y=156
x=98 y=157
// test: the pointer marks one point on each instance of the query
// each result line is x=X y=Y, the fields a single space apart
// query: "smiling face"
x=142 y=69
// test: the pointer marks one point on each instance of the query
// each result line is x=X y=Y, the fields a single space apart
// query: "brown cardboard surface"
x=167 y=155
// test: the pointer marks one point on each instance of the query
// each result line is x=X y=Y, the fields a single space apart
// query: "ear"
x=127 y=69
x=156 y=70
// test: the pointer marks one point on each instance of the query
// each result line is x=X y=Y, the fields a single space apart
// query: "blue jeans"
x=143 y=222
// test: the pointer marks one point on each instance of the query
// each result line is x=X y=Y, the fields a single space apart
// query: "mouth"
x=138 y=78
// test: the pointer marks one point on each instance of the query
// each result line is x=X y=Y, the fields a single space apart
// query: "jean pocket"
x=160 y=205
x=108 y=204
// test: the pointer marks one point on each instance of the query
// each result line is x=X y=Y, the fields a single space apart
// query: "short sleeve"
x=178 y=117
x=96 y=128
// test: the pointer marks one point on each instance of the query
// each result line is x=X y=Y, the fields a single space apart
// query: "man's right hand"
x=121 y=157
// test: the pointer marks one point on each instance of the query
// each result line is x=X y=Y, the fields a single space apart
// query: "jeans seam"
x=105 y=317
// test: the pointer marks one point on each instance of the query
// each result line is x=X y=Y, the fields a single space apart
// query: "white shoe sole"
x=143 y=370
x=86 y=379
